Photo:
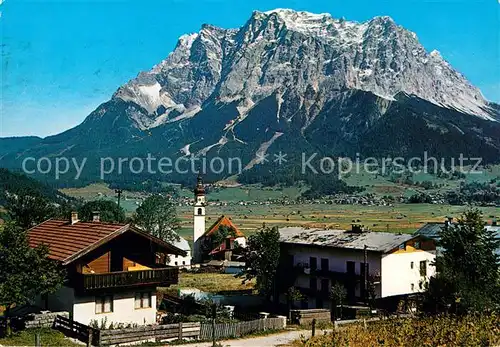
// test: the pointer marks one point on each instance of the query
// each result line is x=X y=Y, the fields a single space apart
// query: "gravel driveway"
x=261 y=341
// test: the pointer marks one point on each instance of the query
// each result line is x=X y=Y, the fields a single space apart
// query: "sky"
x=61 y=59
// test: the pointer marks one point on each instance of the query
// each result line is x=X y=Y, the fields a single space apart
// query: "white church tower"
x=199 y=219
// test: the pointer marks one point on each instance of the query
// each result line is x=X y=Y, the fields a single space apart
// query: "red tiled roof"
x=223 y=221
x=68 y=242
x=65 y=239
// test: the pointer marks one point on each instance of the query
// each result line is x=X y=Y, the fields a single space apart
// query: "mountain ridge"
x=293 y=81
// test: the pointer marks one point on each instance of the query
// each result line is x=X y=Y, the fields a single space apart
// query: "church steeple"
x=199 y=189
x=198 y=219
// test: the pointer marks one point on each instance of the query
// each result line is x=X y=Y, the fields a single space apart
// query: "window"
x=313 y=284
x=199 y=211
x=421 y=285
x=423 y=268
x=351 y=267
x=183 y=263
x=104 y=304
x=324 y=264
x=142 y=300
x=411 y=265
x=325 y=286
x=176 y=263
x=417 y=244
x=412 y=287
x=313 y=263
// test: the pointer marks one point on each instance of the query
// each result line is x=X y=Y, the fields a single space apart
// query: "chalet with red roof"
x=112 y=269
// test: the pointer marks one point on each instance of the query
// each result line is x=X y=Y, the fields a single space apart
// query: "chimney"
x=448 y=221
x=96 y=217
x=74 y=218
x=357 y=228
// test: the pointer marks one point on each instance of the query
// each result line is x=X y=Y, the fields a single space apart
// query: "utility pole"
x=365 y=275
x=119 y=193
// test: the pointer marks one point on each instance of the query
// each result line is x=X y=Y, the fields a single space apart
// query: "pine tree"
x=467 y=278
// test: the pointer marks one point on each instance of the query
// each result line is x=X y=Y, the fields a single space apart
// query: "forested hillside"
x=17 y=183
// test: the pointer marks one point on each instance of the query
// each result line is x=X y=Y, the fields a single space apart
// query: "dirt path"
x=261 y=341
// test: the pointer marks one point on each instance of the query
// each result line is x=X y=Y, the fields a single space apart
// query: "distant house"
x=179 y=260
x=395 y=264
x=112 y=270
x=432 y=230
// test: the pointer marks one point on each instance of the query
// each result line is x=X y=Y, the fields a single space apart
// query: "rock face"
x=297 y=54
x=289 y=79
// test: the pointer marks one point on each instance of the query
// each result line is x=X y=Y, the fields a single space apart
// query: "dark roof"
x=375 y=241
x=430 y=230
x=68 y=242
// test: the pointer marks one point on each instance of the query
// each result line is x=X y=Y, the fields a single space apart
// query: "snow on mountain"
x=300 y=54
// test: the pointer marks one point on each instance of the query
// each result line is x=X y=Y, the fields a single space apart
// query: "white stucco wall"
x=241 y=241
x=398 y=276
x=177 y=260
x=124 y=310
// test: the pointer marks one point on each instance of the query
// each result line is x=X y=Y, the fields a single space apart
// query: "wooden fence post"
x=180 y=331
x=89 y=337
x=37 y=339
x=313 y=332
x=214 y=313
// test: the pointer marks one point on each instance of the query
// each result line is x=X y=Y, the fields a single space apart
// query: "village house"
x=112 y=270
x=183 y=262
x=431 y=230
x=395 y=265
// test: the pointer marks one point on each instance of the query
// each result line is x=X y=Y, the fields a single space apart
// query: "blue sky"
x=61 y=59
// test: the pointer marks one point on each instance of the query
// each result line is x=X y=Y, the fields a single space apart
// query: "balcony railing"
x=127 y=279
x=336 y=276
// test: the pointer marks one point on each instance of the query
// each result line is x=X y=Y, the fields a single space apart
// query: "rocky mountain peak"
x=309 y=55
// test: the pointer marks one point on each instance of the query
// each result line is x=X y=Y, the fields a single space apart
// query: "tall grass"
x=429 y=331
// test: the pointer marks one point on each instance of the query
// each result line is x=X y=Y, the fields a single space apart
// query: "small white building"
x=181 y=261
x=396 y=264
x=112 y=270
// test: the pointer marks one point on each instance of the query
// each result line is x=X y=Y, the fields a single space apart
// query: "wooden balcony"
x=162 y=277
x=337 y=276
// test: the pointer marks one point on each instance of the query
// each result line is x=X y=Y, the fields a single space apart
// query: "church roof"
x=223 y=221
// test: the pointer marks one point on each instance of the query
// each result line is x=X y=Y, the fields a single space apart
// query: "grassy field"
x=380 y=185
x=405 y=218
x=211 y=282
x=48 y=337
x=431 y=331
x=129 y=200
